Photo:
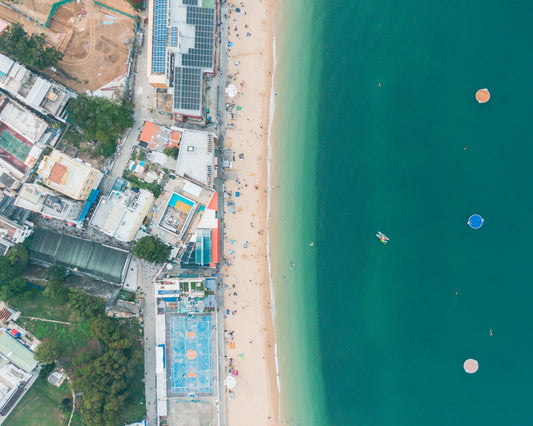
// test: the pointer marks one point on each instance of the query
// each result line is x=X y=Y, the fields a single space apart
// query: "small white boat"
x=382 y=237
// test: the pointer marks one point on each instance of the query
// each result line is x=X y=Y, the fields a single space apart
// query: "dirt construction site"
x=94 y=39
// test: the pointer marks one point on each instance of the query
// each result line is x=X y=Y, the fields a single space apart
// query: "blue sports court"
x=191 y=367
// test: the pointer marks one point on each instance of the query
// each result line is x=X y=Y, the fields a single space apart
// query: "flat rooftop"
x=196 y=159
x=121 y=214
x=64 y=174
x=16 y=352
x=24 y=122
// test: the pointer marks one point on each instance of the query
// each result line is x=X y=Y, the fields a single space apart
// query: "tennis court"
x=191 y=354
x=14 y=146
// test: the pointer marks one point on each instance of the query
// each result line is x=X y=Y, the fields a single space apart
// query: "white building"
x=196 y=158
x=121 y=214
x=49 y=203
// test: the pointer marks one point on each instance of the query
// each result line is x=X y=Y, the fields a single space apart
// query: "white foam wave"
x=269 y=178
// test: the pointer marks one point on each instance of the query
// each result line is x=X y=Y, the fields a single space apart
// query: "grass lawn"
x=42 y=306
x=71 y=338
x=40 y=406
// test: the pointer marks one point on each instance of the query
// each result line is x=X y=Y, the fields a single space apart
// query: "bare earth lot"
x=95 y=53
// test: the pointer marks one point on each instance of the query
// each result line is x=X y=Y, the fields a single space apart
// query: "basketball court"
x=191 y=358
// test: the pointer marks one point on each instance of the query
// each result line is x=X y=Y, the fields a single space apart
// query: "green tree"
x=13 y=289
x=100 y=120
x=8 y=270
x=57 y=291
x=86 y=306
x=32 y=51
x=152 y=249
x=47 y=352
x=172 y=152
x=56 y=273
x=19 y=256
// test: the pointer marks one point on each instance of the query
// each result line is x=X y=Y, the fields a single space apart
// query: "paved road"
x=146 y=273
x=144 y=104
x=221 y=128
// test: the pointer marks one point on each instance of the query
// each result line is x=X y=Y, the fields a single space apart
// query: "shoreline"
x=249 y=292
x=270 y=158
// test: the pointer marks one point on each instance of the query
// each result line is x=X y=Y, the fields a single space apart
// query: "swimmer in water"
x=379 y=84
x=490 y=331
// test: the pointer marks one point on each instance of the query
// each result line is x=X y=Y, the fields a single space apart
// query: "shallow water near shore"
x=292 y=226
x=377 y=129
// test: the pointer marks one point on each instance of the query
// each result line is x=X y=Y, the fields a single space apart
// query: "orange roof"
x=148 y=131
x=57 y=173
x=175 y=138
x=213 y=204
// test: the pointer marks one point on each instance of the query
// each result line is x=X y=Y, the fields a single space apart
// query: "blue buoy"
x=475 y=221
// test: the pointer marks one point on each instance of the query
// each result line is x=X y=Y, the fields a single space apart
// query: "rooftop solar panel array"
x=174 y=37
x=160 y=36
x=187 y=88
x=190 y=2
x=202 y=55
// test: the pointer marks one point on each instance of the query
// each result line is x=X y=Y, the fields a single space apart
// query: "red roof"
x=213 y=204
x=215 y=245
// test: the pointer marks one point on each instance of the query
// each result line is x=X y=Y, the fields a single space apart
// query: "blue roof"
x=209 y=301
x=210 y=283
x=93 y=195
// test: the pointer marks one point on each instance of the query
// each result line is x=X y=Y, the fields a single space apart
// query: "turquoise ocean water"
x=377 y=335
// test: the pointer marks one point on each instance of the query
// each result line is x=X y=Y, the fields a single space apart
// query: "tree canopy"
x=172 y=152
x=106 y=380
x=30 y=50
x=54 y=287
x=12 y=266
x=152 y=249
x=100 y=120
x=47 y=351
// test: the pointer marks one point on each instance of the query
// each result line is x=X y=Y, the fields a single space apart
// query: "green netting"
x=14 y=146
x=53 y=10
x=114 y=10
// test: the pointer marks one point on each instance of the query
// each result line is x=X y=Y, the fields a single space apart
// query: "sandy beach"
x=250 y=337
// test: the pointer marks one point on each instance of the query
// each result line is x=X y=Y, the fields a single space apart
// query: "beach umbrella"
x=230 y=382
x=231 y=90
x=235 y=372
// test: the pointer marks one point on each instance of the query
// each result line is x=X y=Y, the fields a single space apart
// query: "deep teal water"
x=393 y=334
